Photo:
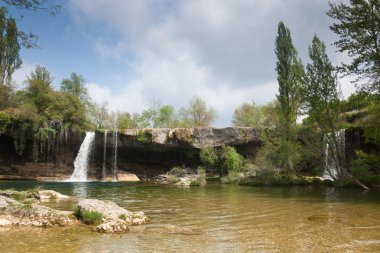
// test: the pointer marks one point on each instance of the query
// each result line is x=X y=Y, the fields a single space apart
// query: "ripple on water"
x=214 y=219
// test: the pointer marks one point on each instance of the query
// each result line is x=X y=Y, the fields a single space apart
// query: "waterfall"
x=104 y=155
x=114 y=168
x=81 y=161
x=332 y=159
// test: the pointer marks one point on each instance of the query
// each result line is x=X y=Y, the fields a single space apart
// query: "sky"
x=135 y=52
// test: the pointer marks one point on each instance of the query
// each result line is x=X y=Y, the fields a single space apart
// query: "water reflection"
x=217 y=218
x=80 y=189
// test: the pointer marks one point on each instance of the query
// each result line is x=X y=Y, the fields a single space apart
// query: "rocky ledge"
x=24 y=209
x=196 y=137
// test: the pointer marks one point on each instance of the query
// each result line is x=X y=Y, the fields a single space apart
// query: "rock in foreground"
x=113 y=217
x=27 y=213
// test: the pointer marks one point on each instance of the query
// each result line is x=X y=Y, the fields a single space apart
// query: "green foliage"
x=10 y=60
x=224 y=158
x=290 y=75
x=36 y=5
x=75 y=86
x=179 y=171
x=122 y=216
x=357 y=25
x=230 y=159
x=197 y=114
x=195 y=182
x=231 y=178
x=5 y=120
x=88 y=217
x=366 y=167
x=208 y=156
x=252 y=115
x=201 y=171
x=126 y=121
x=144 y=136
x=172 y=179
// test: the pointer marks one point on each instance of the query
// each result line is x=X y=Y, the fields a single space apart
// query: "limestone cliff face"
x=196 y=138
x=145 y=152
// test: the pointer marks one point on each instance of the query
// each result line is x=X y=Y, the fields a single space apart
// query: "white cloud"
x=219 y=50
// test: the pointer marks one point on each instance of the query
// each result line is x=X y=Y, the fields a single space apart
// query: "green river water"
x=215 y=218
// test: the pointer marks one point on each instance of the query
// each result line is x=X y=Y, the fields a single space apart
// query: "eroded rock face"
x=197 y=137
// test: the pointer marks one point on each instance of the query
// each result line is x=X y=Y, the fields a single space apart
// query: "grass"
x=88 y=217
x=122 y=216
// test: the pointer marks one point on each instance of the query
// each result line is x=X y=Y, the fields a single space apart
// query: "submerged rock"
x=116 y=226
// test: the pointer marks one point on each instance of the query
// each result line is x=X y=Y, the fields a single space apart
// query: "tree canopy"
x=358 y=26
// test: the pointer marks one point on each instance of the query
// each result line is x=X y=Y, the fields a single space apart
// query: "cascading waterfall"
x=81 y=161
x=332 y=152
x=104 y=156
x=114 y=168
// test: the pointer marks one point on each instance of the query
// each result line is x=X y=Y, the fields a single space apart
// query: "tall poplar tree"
x=322 y=99
x=10 y=60
x=290 y=74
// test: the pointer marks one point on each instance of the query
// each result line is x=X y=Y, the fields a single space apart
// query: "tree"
x=100 y=116
x=322 y=98
x=197 y=114
x=289 y=76
x=358 y=26
x=127 y=121
x=39 y=89
x=35 y=5
x=10 y=60
x=75 y=86
x=252 y=115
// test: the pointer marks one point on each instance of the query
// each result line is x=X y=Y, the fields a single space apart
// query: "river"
x=215 y=218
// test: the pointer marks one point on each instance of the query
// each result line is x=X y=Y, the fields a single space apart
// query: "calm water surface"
x=215 y=218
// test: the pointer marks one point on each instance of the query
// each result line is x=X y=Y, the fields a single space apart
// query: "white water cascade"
x=81 y=161
x=331 y=154
x=104 y=156
x=114 y=168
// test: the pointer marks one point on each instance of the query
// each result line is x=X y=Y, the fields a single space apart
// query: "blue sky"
x=133 y=52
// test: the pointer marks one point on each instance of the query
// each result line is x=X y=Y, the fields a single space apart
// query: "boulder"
x=126 y=177
x=114 y=217
x=31 y=214
x=50 y=194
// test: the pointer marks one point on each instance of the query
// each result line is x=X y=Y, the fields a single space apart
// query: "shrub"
x=231 y=178
x=144 y=137
x=231 y=159
x=201 y=171
x=366 y=167
x=122 y=216
x=208 y=156
x=173 y=179
x=90 y=217
x=178 y=171
x=195 y=182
